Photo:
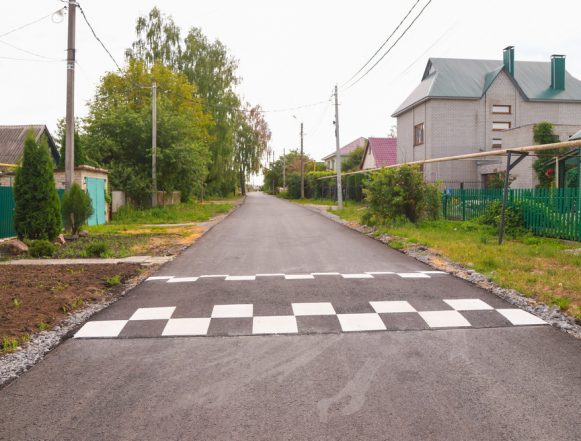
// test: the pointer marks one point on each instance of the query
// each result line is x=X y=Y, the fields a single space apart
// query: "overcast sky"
x=290 y=53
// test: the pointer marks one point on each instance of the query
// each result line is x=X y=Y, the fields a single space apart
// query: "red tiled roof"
x=346 y=149
x=384 y=151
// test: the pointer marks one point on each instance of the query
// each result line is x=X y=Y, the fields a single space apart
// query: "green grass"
x=113 y=245
x=535 y=266
x=307 y=201
x=112 y=281
x=351 y=211
x=172 y=214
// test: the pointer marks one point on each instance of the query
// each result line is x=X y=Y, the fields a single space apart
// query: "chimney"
x=508 y=58
x=558 y=72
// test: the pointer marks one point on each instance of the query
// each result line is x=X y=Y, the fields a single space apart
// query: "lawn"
x=537 y=267
x=172 y=214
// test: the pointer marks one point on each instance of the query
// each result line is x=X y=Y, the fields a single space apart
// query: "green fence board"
x=551 y=212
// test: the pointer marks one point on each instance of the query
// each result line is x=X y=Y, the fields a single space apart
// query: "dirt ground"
x=34 y=298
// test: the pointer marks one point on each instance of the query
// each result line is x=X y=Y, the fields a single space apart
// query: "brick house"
x=469 y=106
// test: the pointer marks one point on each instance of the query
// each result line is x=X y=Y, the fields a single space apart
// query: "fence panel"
x=7 y=212
x=547 y=212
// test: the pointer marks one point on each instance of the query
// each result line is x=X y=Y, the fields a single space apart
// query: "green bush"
x=41 y=248
x=514 y=223
x=76 y=207
x=293 y=183
x=97 y=249
x=394 y=194
x=37 y=207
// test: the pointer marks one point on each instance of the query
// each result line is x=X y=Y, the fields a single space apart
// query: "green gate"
x=96 y=190
x=7 y=212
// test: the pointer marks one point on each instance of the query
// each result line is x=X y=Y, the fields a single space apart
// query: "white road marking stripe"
x=150 y=279
x=444 y=319
x=320 y=308
x=325 y=274
x=518 y=317
x=357 y=276
x=213 y=276
x=392 y=306
x=468 y=304
x=105 y=328
x=433 y=272
x=298 y=276
x=361 y=322
x=234 y=278
x=162 y=313
x=233 y=311
x=379 y=273
x=271 y=275
x=275 y=324
x=182 y=279
x=186 y=326
x=413 y=275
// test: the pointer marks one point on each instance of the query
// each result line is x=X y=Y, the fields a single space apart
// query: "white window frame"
x=496 y=143
x=506 y=125
x=497 y=109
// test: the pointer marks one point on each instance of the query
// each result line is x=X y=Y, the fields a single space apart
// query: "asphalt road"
x=375 y=347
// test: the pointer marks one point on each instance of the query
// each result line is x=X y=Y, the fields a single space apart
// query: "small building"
x=344 y=152
x=379 y=152
x=12 y=142
x=469 y=105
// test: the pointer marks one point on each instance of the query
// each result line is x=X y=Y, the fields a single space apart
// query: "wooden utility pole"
x=338 y=151
x=154 y=144
x=302 y=166
x=70 y=111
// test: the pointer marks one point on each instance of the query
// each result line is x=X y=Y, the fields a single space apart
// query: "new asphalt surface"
x=373 y=346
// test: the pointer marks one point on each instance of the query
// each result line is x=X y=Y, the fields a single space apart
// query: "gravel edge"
x=551 y=314
x=14 y=364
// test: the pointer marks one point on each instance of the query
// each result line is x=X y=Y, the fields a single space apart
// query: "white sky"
x=290 y=53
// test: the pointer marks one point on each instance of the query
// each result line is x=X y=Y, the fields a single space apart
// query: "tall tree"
x=252 y=137
x=37 y=213
x=118 y=131
x=209 y=67
x=80 y=156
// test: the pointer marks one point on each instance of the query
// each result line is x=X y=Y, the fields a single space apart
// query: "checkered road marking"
x=387 y=315
x=307 y=276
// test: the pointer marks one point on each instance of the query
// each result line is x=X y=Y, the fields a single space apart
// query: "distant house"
x=379 y=152
x=344 y=151
x=12 y=142
x=470 y=106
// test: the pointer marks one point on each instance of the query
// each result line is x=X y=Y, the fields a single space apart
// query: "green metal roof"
x=470 y=79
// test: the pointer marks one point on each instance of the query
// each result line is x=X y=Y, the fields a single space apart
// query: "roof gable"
x=346 y=149
x=12 y=142
x=470 y=79
x=384 y=151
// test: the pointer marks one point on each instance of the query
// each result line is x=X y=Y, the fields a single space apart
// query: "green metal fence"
x=547 y=212
x=7 y=211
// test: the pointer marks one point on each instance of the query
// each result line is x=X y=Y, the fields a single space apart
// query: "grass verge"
x=543 y=268
x=172 y=214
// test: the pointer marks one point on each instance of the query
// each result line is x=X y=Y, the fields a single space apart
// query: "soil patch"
x=34 y=298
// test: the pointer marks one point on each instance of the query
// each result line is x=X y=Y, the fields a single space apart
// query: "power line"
x=96 y=37
x=28 y=52
x=32 y=22
x=383 y=45
x=29 y=59
x=392 y=46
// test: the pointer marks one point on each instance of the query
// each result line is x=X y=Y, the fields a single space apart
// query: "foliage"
x=118 y=131
x=37 y=207
x=293 y=184
x=76 y=207
x=396 y=193
x=80 y=154
x=41 y=248
x=353 y=159
x=514 y=223
x=113 y=281
x=543 y=134
x=9 y=344
x=171 y=214
x=291 y=162
x=316 y=188
x=212 y=70
x=497 y=180
x=97 y=249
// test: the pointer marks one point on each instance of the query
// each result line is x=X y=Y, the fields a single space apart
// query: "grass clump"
x=41 y=248
x=97 y=249
x=112 y=281
x=9 y=344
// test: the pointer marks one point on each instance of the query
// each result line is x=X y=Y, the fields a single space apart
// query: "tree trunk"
x=242 y=182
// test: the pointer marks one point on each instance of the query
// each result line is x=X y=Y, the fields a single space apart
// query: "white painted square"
x=392 y=306
x=413 y=275
x=163 y=313
x=325 y=274
x=379 y=273
x=275 y=324
x=322 y=308
x=357 y=276
x=444 y=319
x=105 y=328
x=239 y=278
x=182 y=279
x=270 y=275
x=153 y=278
x=518 y=317
x=213 y=276
x=468 y=304
x=298 y=276
x=186 y=326
x=361 y=322
x=233 y=311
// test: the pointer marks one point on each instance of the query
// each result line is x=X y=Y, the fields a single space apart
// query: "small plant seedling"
x=77 y=302
x=9 y=344
x=16 y=302
x=42 y=326
x=59 y=287
x=113 y=281
x=24 y=338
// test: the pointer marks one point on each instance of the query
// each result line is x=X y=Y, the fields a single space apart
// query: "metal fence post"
x=463 y=201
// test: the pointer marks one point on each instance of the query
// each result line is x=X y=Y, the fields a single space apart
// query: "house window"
x=419 y=134
x=500 y=125
x=501 y=109
x=496 y=143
